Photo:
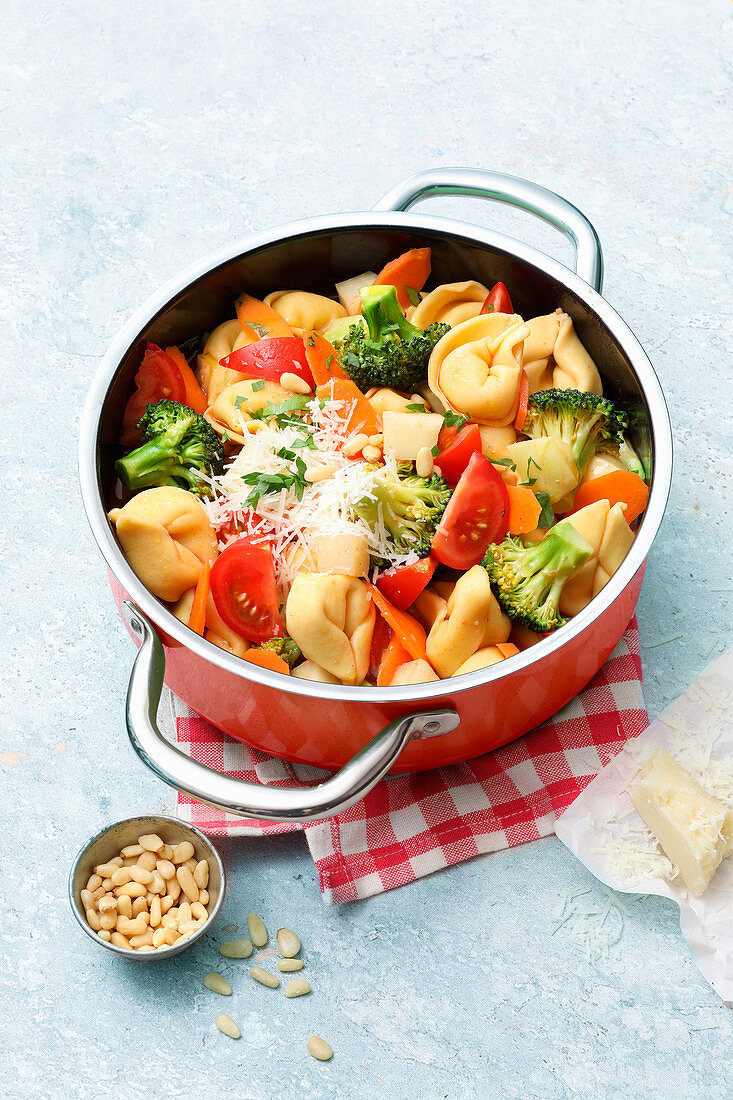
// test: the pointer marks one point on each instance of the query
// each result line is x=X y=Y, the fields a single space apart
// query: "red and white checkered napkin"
x=412 y=825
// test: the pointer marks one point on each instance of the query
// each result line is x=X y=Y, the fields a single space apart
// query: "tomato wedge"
x=497 y=300
x=456 y=448
x=477 y=514
x=270 y=358
x=157 y=378
x=403 y=584
x=195 y=397
x=244 y=591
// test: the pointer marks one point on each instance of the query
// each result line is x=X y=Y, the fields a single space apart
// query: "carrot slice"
x=258 y=319
x=524 y=509
x=266 y=659
x=621 y=486
x=195 y=396
x=521 y=416
x=197 y=615
x=394 y=655
x=411 y=269
x=322 y=358
x=507 y=649
x=408 y=630
x=358 y=413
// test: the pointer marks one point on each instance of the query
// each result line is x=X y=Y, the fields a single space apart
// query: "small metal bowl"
x=107 y=844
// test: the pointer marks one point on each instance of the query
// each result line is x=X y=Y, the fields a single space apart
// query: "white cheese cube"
x=406 y=433
x=547 y=464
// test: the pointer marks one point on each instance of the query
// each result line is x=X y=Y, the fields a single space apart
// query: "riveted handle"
x=237 y=796
x=513 y=191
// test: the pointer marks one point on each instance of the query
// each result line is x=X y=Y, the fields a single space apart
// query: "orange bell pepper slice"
x=394 y=655
x=266 y=659
x=322 y=358
x=361 y=416
x=197 y=615
x=521 y=416
x=195 y=396
x=507 y=649
x=621 y=486
x=411 y=269
x=524 y=510
x=258 y=319
x=408 y=630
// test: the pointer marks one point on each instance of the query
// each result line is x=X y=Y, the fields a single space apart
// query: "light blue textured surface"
x=137 y=137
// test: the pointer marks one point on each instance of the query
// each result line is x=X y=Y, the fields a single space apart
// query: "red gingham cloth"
x=411 y=825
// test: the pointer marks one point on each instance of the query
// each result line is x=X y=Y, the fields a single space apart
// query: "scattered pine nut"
x=288 y=965
x=297 y=988
x=236 y=949
x=318 y=473
x=182 y=852
x=353 y=445
x=151 y=842
x=257 y=930
x=319 y=1049
x=201 y=874
x=288 y=943
x=376 y=440
x=104 y=934
x=227 y=1026
x=188 y=883
x=147 y=861
x=293 y=383
x=424 y=462
x=166 y=868
x=371 y=454
x=131 y=851
x=265 y=977
x=217 y=984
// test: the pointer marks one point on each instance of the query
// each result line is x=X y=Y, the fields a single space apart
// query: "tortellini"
x=332 y=619
x=555 y=358
x=213 y=378
x=217 y=632
x=578 y=589
x=308 y=670
x=482 y=658
x=387 y=400
x=450 y=304
x=476 y=368
x=305 y=311
x=414 y=672
x=233 y=408
x=615 y=545
x=166 y=535
x=472 y=619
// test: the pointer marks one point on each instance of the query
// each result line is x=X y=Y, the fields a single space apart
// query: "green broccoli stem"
x=383 y=314
x=145 y=465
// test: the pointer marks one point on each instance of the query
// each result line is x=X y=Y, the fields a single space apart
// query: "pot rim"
x=414 y=693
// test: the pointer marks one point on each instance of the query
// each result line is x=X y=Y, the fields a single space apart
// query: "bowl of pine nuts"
x=147 y=888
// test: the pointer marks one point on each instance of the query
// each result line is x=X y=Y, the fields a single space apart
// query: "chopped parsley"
x=266 y=484
x=413 y=295
x=454 y=420
x=257 y=386
x=547 y=516
x=282 y=412
x=261 y=330
x=415 y=408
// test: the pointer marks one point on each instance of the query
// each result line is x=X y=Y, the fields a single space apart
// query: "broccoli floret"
x=584 y=421
x=178 y=443
x=410 y=507
x=393 y=352
x=285 y=647
x=528 y=578
x=626 y=454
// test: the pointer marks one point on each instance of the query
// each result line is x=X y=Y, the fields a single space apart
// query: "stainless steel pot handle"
x=236 y=796
x=514 y=191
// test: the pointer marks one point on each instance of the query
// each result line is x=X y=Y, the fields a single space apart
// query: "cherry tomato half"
x=157 y=378
x=269 y=358
x=497 y=300
x=456 y=449
x=477 y=514
x=244 y=591
x=403 y=584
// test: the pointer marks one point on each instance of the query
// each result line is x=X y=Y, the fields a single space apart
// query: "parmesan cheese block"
x=406 y=433
x=692 y=827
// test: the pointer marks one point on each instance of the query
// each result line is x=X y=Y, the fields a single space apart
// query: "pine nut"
x=165 y=903
x=198 y=912
x=371 y=454
x=93 y=882
x=424 y=462
x=201 y=873
x=108 y=921
x=318 y=473
x=140 y=874
x=105 y=934
x=86 y=899
x=159 y=939
x=167 y=921
x=319 y=1049
x=182 y=852
x=107 y=884
x=293 y=383
x=134 y=927
x=119 y=940
x=151 y=842
x=188 y=883
x=184 y=913
x=297 y=988
x=146 y=947
x=189 y=926
x=264 y=977
x=289 y=965
x=131 y=851
x=173 y=889
x=204 y=897
x=93 y=920
x=236 y=949
x=147 y=861
x=166 y=868
x=165 y=852
x=121 y=876
x=257 y=930
x=139 y=905
x=155 y=913
x=288 y=943
x=227 y=1026
x=124 y=906
x=158 y=885
x=171 y=935
x=145 y=939
x=191 y=864
x=107 y=904
x=98 y=893
x=131 y=890
x=131 y=861
x=376 y=440
x=105 y=870
x=217 y=984
x=353 y=445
